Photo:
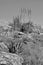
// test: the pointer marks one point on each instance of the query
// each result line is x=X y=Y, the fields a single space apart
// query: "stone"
x=10 y=59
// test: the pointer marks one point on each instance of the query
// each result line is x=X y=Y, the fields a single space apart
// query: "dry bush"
x=20 y=43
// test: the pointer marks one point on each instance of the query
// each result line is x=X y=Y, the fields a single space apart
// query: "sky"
x=10 y=8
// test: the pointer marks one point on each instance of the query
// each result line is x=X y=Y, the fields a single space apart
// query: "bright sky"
x=9 y=8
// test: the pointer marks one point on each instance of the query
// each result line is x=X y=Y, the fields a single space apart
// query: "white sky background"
x=9 y=8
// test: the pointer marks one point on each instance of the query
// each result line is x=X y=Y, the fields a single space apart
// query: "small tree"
x=25 y=15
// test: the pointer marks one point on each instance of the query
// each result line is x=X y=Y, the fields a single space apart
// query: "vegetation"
x=23 y=39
